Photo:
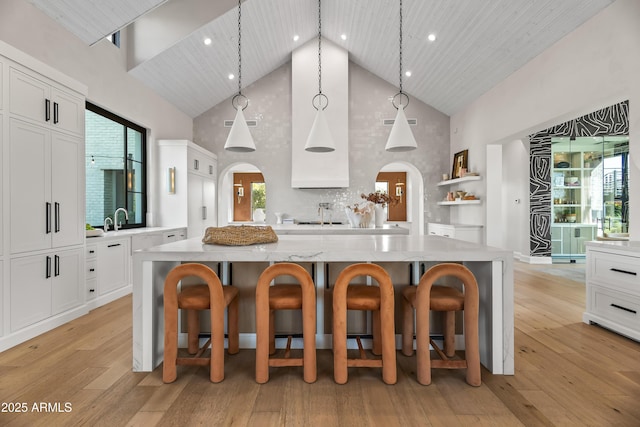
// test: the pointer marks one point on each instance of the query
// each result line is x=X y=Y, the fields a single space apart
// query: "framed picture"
x=459 y=163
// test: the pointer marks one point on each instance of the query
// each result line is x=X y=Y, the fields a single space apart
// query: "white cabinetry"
x=42 y=200
x=44 y=285
x=469 y=233
x=35 y=98
x=113 y=265
x=613 y=287
x=193 y=204
x=46 y=166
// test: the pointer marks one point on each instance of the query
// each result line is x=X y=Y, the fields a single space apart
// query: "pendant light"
x=239 y=139
x=320 y=140
x=401 y=138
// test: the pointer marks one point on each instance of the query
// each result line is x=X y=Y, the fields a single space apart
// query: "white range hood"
x=320 y=170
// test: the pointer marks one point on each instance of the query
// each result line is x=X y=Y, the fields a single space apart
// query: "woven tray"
x=239 y=235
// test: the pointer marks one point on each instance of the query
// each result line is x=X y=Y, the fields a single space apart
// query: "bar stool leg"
x=193 y=331
x=340 y=372
x=407 y=327
x=272 y=332
x=232 y=327
x=450 y=333
x=377 y=339
x=472 y=348
x=217 y=347
x=169 y=373
x=423 y=355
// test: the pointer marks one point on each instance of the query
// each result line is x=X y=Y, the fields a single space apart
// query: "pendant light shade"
x=401 y=138
x=239 y=139
x=320 y=140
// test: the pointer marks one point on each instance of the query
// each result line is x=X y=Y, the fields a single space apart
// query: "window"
x=114 y=38
x=116 y=168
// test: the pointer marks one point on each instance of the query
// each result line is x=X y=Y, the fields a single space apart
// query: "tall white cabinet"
x=192 y=201
x=43 y=201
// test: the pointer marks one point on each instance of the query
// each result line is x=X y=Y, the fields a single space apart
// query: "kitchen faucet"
x=321 y=209
x=107 y=220
x=117 y=224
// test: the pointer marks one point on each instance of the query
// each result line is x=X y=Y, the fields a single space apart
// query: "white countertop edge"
x=130 y=232
x=619 y=245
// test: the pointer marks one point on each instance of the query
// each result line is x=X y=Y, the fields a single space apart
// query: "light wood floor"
x=567 y=374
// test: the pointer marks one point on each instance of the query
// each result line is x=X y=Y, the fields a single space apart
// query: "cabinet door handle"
x=57 y=217
x=204 y=212
x=48 y=272
x=114 y=245
x=55 y=113
x=196 y=164
x=431 y=232
x=210 y=169
x=48 y=217
x=617 y=270
x=446 y=235
x=92 y=290
x=623 y=308
x=171 y=235
x=47 y=110
x=92 y=251
x=92 y=269
x=56 y=266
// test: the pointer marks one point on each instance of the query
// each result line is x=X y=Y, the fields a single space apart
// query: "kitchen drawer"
x=92 y=266
x=92 y=288
x=618 y=307
x=91 y=253
x=616 y=271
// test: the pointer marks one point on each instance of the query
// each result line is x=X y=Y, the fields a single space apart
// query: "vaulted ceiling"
x=479 y=42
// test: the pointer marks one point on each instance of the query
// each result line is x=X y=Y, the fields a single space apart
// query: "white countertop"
x=618 y=245
x=330 y=248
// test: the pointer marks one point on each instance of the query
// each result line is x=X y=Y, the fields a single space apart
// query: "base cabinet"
x=613 y=287
x=44 y=285
x=469 y=233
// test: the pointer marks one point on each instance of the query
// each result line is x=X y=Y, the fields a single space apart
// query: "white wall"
x=101 y=67
x=593 y=67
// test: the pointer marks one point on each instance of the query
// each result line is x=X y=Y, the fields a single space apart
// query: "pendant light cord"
x=239 y=47
x=319 y=47
x=400 y=46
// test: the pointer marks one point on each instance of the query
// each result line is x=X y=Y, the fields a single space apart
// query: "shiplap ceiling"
x=479 y=43
x=93 y=20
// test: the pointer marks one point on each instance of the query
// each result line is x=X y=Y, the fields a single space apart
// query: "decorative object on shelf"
x=460 y=160
x=450 y=196
x=445 y=176
x=461 y=194
x=381 y=215
x=279 y=217
x=400 y=138
x=571 y=181
x=320 y=139
x=239 y=139
x=239 y=235
x=361 y=215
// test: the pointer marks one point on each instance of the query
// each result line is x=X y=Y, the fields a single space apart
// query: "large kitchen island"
x=492 y=267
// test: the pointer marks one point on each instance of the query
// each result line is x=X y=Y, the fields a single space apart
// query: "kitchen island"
x=492 y=267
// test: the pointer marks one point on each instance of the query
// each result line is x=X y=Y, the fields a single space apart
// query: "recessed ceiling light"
x=296 y=38
x=408 y=73
x=431 y=37
x=231 y=76
x=343 y=36
x=207 y=41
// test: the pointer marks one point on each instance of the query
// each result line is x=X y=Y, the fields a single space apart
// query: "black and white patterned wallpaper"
x=613 y=120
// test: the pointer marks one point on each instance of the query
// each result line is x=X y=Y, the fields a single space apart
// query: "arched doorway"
x=412 y=194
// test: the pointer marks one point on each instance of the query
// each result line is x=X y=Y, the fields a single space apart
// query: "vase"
x=381 y=215
x=259 y=215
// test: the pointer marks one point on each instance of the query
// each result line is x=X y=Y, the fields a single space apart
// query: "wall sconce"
x=171 y=180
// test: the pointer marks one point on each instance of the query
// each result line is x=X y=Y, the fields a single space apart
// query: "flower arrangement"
x=380 y=198
x=360 y=214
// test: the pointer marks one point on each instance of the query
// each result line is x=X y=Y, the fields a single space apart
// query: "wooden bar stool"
x=425 y=297
x=301 y=296
x=378 y=299
x=213 y=297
